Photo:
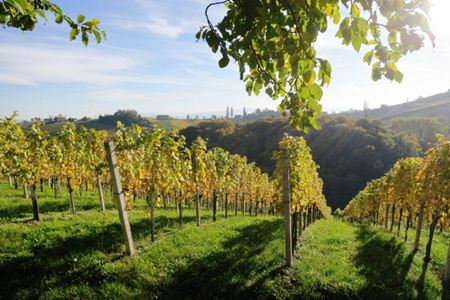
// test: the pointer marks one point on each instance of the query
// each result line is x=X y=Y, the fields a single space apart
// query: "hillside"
x=103 y=122
x=434 y=106
x=350 y=153
x=81 y=256
x=174 y=123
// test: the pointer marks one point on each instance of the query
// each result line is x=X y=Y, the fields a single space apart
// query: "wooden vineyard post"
x=419 y=227
x=446 y=281
x=100 y=193
x=119 y=196
x=197 y=208
x=287 y=208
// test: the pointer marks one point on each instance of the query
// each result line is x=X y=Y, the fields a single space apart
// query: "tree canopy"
x=24 y=14
x=273 y=43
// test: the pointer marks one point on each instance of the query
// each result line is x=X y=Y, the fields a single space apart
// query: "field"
x=174 y=123
x=81 y=256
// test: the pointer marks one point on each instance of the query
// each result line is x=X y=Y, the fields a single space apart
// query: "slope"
x=67 y=257
x=433 y=106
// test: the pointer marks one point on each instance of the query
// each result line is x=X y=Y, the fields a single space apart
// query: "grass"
x=80 y=256
x=175 y=123
x=341 y=261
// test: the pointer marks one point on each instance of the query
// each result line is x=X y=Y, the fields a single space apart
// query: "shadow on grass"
x=446 y=290
x=385 y=263
x=78 y=259
x=23 y=210
x=238 y=271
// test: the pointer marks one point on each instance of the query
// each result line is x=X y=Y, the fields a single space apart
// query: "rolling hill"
x=433 y=106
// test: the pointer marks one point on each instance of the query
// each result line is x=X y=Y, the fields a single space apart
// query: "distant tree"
x=422 y=128
x=126 y=117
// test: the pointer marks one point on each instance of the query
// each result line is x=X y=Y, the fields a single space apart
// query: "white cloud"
x=156 y=25
x=37 y=63
x=168 y=19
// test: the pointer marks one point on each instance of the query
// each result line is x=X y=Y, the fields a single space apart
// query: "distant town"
x=229 y=114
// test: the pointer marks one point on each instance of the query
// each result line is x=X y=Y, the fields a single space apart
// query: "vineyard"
x=204 y=223
x=415 y=193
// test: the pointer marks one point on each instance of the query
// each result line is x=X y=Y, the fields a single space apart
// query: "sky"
x=152 y=63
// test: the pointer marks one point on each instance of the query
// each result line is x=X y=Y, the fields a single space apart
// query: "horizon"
x=218 y=113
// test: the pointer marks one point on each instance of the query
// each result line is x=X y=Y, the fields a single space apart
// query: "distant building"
x=366 y=109
x=60 y=119
x=163 y=117
x=57 y=119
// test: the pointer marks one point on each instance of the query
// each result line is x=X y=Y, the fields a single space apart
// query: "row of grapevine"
x=299 y=185
x=155 y=165
x=68 y=157
x=159 y=167
x=416 y=192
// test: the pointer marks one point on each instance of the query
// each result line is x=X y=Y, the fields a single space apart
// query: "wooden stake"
x=447 y=269
x=34 y=202
x=25 y=190
x=100 y=194
x=386 y=218
x=119 y=196
x=287 y=208
x=197 y=209
x=419 y=227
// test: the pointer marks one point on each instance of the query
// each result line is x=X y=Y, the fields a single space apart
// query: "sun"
x=440 y=18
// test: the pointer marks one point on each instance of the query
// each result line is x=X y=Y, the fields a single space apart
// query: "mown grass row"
x=81 y=256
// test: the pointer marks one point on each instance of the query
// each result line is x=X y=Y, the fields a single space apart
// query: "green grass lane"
x=80 y=256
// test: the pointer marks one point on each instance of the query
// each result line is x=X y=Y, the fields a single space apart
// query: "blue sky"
x=152 y=63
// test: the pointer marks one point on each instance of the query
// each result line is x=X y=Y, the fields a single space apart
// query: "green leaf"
x=309 y=77
x=368 y=57
x=41 y=13
x=85 y=38
x=80 y=19
x=98 y=37
x=73 y=34
x=223 y=62
x=316 y=92
x=355 y=12
x=398 y=76
x=59 y=19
